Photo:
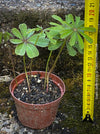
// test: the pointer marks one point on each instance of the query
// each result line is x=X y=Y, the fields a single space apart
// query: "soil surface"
x=37 y=95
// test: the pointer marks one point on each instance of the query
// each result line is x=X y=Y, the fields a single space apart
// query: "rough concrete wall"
x=32 y=12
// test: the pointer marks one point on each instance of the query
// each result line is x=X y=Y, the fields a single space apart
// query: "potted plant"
x=36 y=93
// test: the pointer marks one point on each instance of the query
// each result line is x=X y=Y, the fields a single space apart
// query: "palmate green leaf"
x=17 y=33
x=80 y=41
x=86 y=37
x=20 y=49
x=65 y=33
x=58 y=19
x=16 y=41
x=54 y=46
x=0 y=37
x=23 y=29
x=71 y=50
x=31 y=51
x=73 y=39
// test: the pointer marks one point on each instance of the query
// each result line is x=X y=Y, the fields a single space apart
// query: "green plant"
x=4 y=37
x=69 y=32
x=27 y=41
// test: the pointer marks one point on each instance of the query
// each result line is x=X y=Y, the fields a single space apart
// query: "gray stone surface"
x=13 y=12
x=42 y=4
x=9 y=125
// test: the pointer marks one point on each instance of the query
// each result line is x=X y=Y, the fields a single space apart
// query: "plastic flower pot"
x=37 y=116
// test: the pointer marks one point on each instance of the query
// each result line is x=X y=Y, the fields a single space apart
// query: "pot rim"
x=61 y=89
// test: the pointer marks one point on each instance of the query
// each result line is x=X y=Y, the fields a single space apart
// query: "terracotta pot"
x=37 y=116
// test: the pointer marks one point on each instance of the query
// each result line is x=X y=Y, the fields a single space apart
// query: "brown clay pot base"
x=38 y=94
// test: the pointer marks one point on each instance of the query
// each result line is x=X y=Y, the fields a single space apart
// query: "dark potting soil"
x=38 y=94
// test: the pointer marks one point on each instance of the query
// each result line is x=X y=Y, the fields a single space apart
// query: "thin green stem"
x=26 y=73
x=47 y=68
x=52 y=68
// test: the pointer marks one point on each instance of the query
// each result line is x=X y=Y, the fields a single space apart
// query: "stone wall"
x=32 y=12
